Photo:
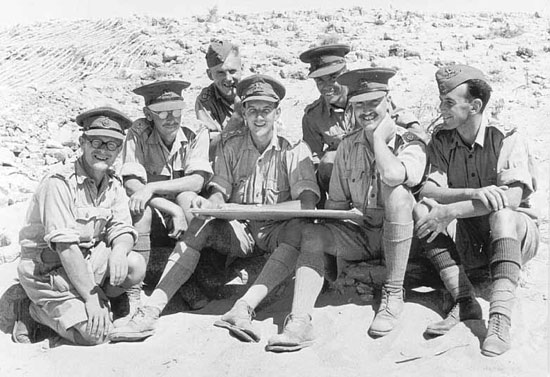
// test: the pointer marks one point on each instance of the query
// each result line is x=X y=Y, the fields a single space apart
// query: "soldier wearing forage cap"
x=253 y=166
x=165 y=164
x=76 y=244
x=327 y=120
x=480 y=176
x=218 y=105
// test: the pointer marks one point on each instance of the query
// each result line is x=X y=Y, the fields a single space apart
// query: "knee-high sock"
x=179 y=268
x=505 y=269
x=309 y=281
x=397 y=239
x=278 y=267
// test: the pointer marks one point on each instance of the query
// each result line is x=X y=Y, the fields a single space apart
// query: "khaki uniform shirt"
x=215 y=105
x=497 y=157
x=146 y=157
x=355 y=179
x=281 y=173
x=324 y=125
x=70 y=208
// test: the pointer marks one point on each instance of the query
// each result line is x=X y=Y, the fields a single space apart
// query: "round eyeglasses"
x=98 y=144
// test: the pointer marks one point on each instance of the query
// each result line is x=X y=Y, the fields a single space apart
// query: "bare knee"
x=398 y=203
x=419 y=211
x=136 y=269
x=505 y=223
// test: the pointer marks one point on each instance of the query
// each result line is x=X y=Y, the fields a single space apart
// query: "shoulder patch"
x=415 y=133
x=312 y=105
x=140 y=125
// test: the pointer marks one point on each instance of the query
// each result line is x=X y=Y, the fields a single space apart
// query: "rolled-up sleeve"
x=339 y=191
x=300 y=170
x=222 y=180
x=121 y=220
x=197 y=155
x=57 y=212
x=413 y=158
x=438 y=164
x=513 y=164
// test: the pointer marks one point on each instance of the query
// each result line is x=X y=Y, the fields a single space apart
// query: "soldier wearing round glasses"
x=165 y=164
x=76 y=244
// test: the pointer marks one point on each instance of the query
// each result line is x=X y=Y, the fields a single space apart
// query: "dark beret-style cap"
x=218 y=51
x=260 y=87
x=451 y=76
x=104 y=121
x=163 y=95
x=367 y=83
x=325 y=60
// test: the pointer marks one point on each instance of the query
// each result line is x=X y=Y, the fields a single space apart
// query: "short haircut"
x=479 y=89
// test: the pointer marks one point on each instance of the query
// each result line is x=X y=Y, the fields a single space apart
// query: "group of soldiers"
x=464 y=194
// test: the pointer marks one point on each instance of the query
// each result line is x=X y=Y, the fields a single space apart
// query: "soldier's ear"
x=476 y=104
x=209 y=73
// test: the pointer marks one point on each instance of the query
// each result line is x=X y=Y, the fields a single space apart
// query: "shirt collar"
x=82 y=176
x=219 y=97
x=156 y=139
x=480 y=137
x=274 y=143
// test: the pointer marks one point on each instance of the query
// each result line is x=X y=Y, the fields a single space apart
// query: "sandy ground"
x=187 y=343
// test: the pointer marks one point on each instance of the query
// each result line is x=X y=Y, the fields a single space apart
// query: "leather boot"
x=388 y=313
x=463 y=310
x=498 y=339
x=297 y=334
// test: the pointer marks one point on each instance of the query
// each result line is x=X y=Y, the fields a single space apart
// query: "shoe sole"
x=240 y=333
x=130 y=337
x=278 y=348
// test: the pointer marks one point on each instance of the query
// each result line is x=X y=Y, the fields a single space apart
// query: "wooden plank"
x=260 y=213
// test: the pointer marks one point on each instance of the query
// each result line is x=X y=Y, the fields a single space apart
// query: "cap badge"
x=450 y=72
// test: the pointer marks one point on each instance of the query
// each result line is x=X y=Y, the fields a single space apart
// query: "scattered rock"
x=7 y=157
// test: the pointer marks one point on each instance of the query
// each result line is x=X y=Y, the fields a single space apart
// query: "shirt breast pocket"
x=277 y=191
x=91 y=222
x=358 y=184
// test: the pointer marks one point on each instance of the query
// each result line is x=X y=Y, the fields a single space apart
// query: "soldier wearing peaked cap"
x=253 y=167
x=325 y=121
x=218 y=105
x=165 y=164
x=76 y=244
x=474 y=212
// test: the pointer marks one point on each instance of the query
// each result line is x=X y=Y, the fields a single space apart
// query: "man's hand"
x=435 y=222
x=385 y=131
x=99 y=322
x=118 y=267
x=138 y=201
x=493 y=198
x=179 y=224
x=200 y=202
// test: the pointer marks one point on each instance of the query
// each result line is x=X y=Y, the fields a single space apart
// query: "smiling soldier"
x=77 y=239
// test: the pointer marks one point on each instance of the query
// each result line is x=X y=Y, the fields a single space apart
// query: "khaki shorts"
x=51 y=290
x=473 y=242
x=239 y=239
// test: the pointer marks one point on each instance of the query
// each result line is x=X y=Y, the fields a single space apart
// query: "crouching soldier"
x=479 y=176
x=253 y=166
x=76 y=244
x=165 y=165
